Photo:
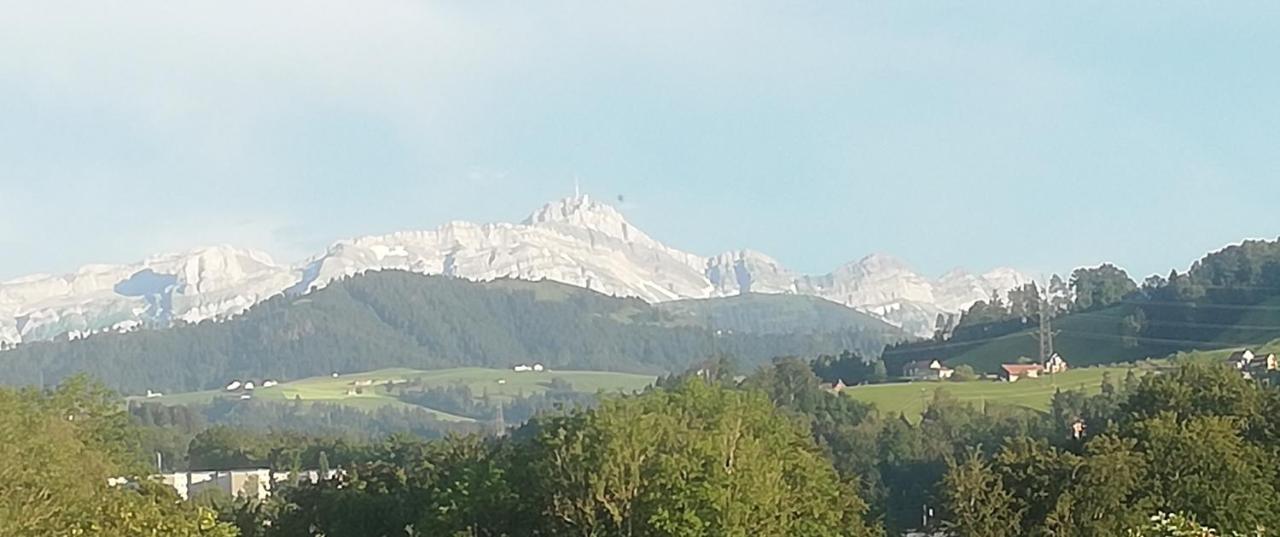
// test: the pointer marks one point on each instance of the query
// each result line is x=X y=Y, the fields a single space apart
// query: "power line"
x=1081 y=333
x=1189 y=324
x=1018 y=334
x=1099 y=335
x=1199 y=306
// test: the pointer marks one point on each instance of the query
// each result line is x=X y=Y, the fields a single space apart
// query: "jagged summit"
x=576 y=240
x=580 y=211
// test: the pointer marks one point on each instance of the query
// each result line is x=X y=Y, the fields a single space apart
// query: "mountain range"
x=578 y=241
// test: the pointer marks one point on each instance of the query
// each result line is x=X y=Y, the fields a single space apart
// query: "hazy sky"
x=1032 y=134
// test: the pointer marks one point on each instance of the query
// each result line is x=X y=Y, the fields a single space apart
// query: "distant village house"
x=1055 y=364
x=927 y=370
x=1013 y=372
x=838 y=387
x=1250 y=363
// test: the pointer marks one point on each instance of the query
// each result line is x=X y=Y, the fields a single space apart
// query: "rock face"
x=577 y=241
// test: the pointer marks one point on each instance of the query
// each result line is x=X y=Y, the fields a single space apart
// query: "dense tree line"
x=399 y=319
x=707 y=452
x=696 y=459
x=1200 y=442
x=58 y=451
x=1226 y=296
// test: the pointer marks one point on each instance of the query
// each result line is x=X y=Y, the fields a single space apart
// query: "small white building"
x=269 y=383
x=538 y=368
x=235 y=385
x=522 y=368
x=248 y=385
x=927 y=370
x=1055 y=364
x=152 y=395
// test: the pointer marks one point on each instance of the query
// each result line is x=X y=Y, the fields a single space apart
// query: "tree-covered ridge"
x=1228 y=299
x=394 y=318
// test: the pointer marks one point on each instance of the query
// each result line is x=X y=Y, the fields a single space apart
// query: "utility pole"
x=1046 y=326
x=1046 y=332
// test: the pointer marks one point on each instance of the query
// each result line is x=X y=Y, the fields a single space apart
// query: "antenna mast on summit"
x=577 y=190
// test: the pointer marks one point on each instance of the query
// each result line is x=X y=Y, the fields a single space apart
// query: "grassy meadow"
x=369 y=390
x=910 y=398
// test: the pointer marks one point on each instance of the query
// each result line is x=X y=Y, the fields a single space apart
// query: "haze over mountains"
x=577 y=241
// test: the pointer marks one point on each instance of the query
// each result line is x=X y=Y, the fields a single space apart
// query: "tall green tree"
x=1100 y=286
x=60 y=449
x=976 y=502
x=696 y=460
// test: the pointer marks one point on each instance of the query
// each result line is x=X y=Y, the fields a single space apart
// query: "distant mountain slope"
x=399 y=319
x=773 y=314
x=577 y=241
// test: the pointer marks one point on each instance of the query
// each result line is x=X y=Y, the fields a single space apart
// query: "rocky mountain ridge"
x=577 y=240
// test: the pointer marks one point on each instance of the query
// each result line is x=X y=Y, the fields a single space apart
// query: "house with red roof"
x=1013 y=372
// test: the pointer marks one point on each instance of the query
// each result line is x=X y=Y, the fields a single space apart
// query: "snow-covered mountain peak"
x=578 y=210
x=222 y=253
x=575 y=240
x=954 y=274
x=875 y=264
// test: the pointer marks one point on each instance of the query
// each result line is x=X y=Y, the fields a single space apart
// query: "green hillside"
x=1084 y=339
x=911 y=398
x=1229 y=299
x=368 y=390
x=773 y=314
x=398 y=319
x=1096 y=337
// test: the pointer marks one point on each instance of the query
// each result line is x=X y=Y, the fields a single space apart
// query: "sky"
x=1038 y=135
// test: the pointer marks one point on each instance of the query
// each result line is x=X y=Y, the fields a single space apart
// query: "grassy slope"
x=1084 y=340
x=1094 y=338
x=910 y=398
x=771 y=313
x=1259 y=325
x=481 y=381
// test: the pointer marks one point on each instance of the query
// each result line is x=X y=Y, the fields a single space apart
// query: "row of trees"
x=1088 y=288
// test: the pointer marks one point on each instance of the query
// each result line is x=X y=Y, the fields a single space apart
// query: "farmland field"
x=370 y=390
x=910 y=398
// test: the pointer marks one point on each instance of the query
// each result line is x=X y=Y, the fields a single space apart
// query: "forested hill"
x=392 y=318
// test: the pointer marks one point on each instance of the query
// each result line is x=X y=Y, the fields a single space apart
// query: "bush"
x=964 y=373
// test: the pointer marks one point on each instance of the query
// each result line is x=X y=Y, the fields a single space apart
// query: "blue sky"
x=1030 y=134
